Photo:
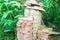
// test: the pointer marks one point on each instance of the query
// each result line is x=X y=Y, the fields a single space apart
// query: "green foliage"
x=10 y=10
x=52 y=13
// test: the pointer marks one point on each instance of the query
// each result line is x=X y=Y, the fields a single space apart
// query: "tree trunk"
x=24 y=30
x=37 y=20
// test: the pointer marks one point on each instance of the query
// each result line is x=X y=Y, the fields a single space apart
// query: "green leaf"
x=5 y=14
x=8 y=22
x=17 y=16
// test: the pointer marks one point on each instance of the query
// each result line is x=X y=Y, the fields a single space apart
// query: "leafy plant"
x=52 y=13
x=10 y=10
